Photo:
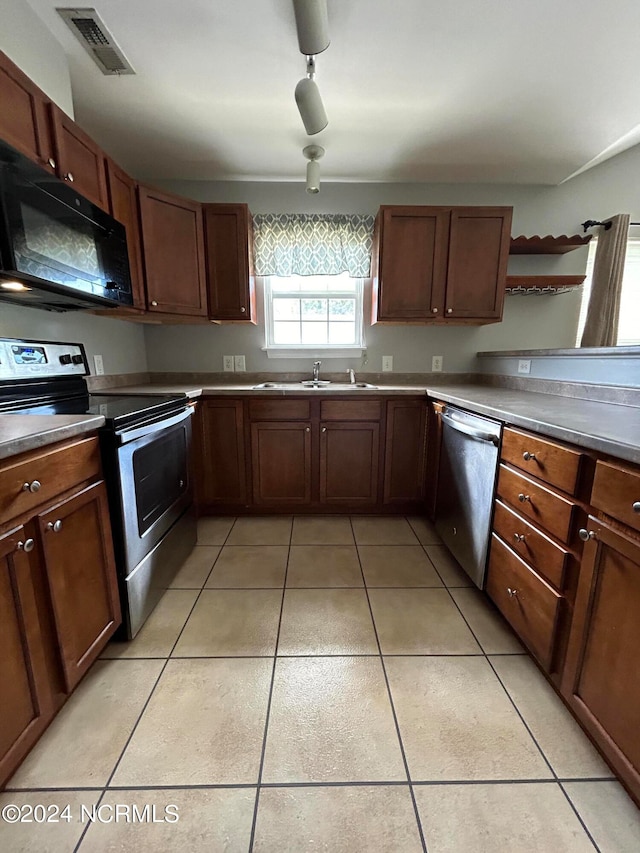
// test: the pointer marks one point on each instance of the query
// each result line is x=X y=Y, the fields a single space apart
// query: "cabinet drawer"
x=536 y=548
x=616 y=491
x=551 y=462
x=278 y=410
x=350 y=410
x=536 y=502
x=528 y=603
x=55 y=471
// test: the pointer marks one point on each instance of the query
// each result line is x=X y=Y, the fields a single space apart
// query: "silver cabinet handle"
x=55 y=526
x=513 y=593
x=519 y=537
x=434 y=310
x=154 y=303
x=522 y=498
x=527 y=456
x=69 y=177
x=636 y=506
x=307 y=429
x=27 y=545
x=51 y=162
x=585 y=535
x=449 y=310
x=324 y=429
x=243 y=310
x=34 y=486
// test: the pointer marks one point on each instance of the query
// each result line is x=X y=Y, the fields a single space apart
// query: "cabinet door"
x=173 y=253
x=412 y=263
x=24 y=117
x=477 y=268
x=124 y=207
x=281 y=462
x=80 y=159
x=404 y=451
x=78 y=552
x=601 y=680
x=349 y=462
x=227 y=231
x=25 y=707
x=221 y=474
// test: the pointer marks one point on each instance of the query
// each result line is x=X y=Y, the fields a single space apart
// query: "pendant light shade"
x=310 y=105
x=313 y=153
x=312 y=23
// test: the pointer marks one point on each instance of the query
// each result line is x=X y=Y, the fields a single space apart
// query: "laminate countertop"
x=19 y=433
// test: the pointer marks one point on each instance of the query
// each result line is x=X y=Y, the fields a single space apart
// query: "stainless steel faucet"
x=316 y=370
x=352 y=376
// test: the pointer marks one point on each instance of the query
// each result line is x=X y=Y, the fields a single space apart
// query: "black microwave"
x=58 y=251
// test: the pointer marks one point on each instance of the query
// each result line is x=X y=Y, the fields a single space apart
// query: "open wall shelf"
x=547 y=245
x=542 y=284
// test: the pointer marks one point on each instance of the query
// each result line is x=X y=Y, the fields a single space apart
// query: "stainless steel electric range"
x=145 y=445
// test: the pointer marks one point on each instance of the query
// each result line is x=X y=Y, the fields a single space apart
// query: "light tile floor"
x=319 y=684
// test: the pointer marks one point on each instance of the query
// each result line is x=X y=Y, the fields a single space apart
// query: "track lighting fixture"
x=309 y=101
x=312 y=23
x=313 y=153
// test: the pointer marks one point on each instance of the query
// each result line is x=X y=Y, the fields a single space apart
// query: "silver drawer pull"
x=519 y=537
x=434 y=310
x=27 y=545
x=513 y=593
x=527 y=456
x=636 y=506
x=51 y=162
x=55 y=526
x=243 y=310
x=522 y=498
x=32 y=487
x=585 y=535
x=69 y=177
x=154 y=302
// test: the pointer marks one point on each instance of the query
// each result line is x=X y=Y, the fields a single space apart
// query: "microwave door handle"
x=127 y=435
x=469 y=430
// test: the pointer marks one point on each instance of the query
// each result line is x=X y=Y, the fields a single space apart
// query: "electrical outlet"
x=436 y=364
x=239 y=363
x=387 y=363
x=524 y=365
x=98 y=365
x=227 y=363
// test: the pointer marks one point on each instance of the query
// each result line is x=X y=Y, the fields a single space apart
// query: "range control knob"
x=65 y=358
x=77 y=359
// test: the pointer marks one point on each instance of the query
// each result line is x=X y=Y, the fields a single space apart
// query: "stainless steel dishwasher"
x=466 y=482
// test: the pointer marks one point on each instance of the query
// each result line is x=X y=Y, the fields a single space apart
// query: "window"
x=320 y=313
x=629 y=323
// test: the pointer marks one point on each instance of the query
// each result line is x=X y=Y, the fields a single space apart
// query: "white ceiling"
x=513 y=91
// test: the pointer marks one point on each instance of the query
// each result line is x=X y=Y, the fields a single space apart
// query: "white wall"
x=25 y=39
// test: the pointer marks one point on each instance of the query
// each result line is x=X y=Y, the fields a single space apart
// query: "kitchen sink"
x=323 y=384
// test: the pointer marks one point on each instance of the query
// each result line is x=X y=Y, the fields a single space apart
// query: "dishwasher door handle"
x=479 y=435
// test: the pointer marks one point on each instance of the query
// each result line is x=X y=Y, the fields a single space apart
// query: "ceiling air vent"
x=89 y=29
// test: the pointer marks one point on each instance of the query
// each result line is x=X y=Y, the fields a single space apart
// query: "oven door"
x=154 y=482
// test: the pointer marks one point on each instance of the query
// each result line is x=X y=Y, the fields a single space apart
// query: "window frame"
x=325 y=350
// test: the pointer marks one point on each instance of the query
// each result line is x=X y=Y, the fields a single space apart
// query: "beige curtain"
x=601 y=325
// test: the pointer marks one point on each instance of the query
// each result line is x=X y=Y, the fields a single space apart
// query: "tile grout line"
x=148 y=699
x=522 y=719
x=393 y=710
x=269 y=698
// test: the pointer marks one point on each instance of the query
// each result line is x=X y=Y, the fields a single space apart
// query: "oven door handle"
x=469 y=430
x=127 y=435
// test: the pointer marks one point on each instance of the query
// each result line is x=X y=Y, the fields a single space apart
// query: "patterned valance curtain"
x=312 y=244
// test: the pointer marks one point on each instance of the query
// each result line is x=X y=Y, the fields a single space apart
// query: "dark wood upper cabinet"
x=229 y=262
x=24 y=116
x=80 y=159
x=173 y=253
x=123 y=206
x=439 y=264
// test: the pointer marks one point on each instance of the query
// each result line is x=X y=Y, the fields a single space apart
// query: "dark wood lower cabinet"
x=281 y=457
x=349 y=463
x=25 y=698
x=405 y=451
x=221 y=472
x=601 y=673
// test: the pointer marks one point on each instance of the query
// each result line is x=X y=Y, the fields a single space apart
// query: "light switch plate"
x=98 y=365
x=436 y=363
x=227 y=363
x=524 y=365
x=239 y=363
x=387 y=363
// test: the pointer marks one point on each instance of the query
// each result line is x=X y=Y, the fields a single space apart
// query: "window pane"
x=629 y=324
x=342 y=309
x=284 y=285
x=286 y=333
x=314 y=333
x=342 y=333
x=314 y=309
x=286 y=309
x=314 y=283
